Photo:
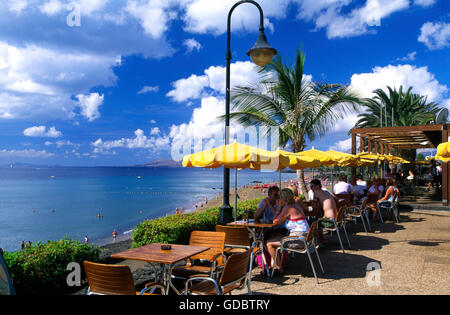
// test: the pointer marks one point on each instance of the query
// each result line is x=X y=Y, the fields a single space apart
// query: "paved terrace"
x=414 y=257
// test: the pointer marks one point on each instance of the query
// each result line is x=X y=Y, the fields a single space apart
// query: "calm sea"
x=40 y=204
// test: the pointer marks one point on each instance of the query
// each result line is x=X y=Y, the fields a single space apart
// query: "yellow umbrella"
x=298 y=161
x=443 y=152
x=371 y=156
x=325 y=158
x=345 y=159
x=236 y=155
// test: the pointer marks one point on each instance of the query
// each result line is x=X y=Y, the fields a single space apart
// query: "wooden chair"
x=339 y=224
x=302 y=245
x=237 y=238
x=348 y=198
x=234 y=275
x=214 y=257
x=114 y=280
x=316 y=212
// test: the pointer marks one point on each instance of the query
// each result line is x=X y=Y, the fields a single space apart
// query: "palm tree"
x=409 y=110
x=286 y=99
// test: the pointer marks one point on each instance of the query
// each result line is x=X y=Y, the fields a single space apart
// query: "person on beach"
x=86 y=240
x=294 y=217
x=181 y=210
x=22 y=245
x=114 y=235
x=176 y=211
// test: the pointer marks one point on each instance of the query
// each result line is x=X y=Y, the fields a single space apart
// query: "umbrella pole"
x=235 y=194
x=279 y=177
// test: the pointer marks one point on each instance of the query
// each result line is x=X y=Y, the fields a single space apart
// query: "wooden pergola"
x=384 y=140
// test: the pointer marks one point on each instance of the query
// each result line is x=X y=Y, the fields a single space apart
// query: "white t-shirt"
x=342 y=188
x=361 y=183
x=311 y=193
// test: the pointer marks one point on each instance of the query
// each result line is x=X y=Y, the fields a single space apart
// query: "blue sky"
x=102 y=82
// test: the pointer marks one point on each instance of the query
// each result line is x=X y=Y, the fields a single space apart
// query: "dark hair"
x=359 y=177
x=316 y=182
x=272 y=189
x=343 y=177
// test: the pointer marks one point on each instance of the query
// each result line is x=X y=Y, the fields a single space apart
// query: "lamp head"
x=262 y=53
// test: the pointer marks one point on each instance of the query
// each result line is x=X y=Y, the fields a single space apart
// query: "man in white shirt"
x=361 y=182
x=342 y=187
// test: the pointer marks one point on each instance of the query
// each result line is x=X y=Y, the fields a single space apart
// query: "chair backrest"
x=313 y=231
x=6 y=285
x=214 y=240
x=364 y=203
x=236 y=267
x=109 y=279
x=235 y=235
x=340 y=214
x=346 y=197
x=372 y=198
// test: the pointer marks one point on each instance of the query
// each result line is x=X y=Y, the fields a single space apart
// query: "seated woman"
x=391 y=191
x=297 y=199
x=296 y=223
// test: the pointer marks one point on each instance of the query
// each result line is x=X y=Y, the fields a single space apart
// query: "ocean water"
x=40 y=204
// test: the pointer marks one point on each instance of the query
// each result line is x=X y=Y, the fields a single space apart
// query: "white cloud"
x=141 y=141
x=39 y=83
x=329 y=15
x=52 y=7
x=148 y=89
x=154 y=16
x=62 y=143
x=155 y=131
x=90 y=104
x=424 y=3
x=191 y=44
x=25 y=153
x=435 y=35
x=422 y=81
x=213 y=81
x=408 y=57
x=343 y=146
x=200 y=16
x=41 y=131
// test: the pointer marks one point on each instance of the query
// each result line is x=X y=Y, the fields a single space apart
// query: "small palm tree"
x=408 y=109
x=300 y=108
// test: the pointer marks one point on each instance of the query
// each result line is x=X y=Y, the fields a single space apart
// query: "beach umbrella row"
x=240 y=156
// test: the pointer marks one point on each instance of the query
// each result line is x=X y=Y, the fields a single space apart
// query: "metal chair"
x=234 y=275
x=358 y=212
x=390 y=206
x=115 y=280
x=301 y=245
x=339 y=224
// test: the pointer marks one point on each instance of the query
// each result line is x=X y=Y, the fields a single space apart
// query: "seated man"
x=325 y=201
x=342 y=187
x=357 y=190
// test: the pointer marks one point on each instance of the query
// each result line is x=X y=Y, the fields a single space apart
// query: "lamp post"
x=261 y=54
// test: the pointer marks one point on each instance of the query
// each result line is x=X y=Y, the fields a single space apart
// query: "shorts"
x=327 y=223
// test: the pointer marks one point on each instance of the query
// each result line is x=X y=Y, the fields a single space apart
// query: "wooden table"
x=166 y=258
x=256 y=228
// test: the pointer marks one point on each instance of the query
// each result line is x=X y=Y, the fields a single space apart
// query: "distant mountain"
x=161 y=163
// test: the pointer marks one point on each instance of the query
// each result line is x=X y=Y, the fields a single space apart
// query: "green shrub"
x=176 y=229
x=42 y=268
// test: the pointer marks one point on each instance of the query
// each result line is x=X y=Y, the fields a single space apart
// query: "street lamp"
x=261 y=54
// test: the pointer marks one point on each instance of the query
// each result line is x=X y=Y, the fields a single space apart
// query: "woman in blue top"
x=295 y=221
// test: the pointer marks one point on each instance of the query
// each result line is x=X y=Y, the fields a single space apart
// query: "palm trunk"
x=301 y=183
